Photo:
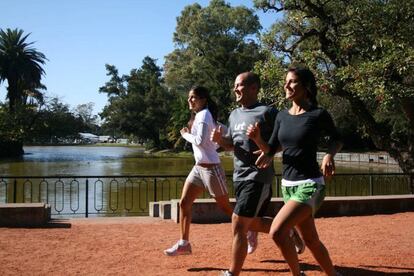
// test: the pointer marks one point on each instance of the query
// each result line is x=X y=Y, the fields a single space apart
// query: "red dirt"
x=366 y=245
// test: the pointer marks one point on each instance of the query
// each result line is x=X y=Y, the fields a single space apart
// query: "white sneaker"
x=251 y=241
x=225 y=273
x=178 y=249
x=297 y=240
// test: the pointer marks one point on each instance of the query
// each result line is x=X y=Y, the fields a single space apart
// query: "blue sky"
x=80 y=36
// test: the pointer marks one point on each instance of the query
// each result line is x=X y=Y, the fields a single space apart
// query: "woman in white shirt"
x=207 y=173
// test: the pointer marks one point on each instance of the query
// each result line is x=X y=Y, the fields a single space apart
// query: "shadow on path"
x=354 y=271
x=53 y=223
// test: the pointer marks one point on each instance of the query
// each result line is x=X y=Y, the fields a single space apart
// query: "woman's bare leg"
x=223 y=203
x=319 y=251
x=189 y=194
x=288 y=216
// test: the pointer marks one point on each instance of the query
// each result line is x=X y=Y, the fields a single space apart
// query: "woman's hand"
x=184 y=130
x=328 y=165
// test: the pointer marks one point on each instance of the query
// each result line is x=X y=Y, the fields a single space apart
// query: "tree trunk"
x=403 y=153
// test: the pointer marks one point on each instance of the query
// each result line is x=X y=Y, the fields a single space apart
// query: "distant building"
x=106 y=139
x=122 y=141
x=89 y=137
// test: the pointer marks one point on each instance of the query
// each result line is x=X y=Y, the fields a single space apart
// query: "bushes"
x=10 y=148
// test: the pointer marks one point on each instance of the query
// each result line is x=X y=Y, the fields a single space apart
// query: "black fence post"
x=412 y=183
x=86 y=198
x=371 y=185
x=155 y=189
x=15 y=191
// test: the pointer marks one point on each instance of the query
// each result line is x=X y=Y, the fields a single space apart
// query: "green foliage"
x=84 y=113
x=179 y=118
x=21 y=66
x=54 y=122
x=138 y=104
x=9 y=130
x=272 y=71
x=213 y=45
x=362 y=51
x=115 y=86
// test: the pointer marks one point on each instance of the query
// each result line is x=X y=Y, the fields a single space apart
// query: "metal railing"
x=130 y=194
x=372 y=158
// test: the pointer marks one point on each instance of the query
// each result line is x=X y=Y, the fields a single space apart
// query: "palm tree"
x=21 y=66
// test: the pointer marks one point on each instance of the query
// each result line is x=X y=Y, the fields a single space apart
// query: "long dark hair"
x=203 y=93
x=307 y=78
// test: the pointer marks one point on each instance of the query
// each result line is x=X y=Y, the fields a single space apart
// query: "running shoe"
x=178 y=249
x=251 y=241
x=297 y=240
x=225 y=273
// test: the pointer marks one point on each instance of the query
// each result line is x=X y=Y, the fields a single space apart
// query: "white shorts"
x=212 y=179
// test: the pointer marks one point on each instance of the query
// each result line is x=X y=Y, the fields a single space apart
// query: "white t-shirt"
x=204 y=149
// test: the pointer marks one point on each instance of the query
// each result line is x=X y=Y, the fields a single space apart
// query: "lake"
x=118 y=160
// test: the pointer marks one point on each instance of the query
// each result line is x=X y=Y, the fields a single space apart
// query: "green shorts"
x=310 y=193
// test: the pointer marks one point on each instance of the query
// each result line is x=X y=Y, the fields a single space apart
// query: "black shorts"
x=252 y=198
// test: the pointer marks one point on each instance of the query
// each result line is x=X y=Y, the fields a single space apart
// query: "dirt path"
x=366 y=245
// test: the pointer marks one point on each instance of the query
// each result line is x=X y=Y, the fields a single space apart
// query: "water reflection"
x=78 y=153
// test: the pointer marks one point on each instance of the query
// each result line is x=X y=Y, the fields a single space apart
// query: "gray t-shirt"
x=244 y=159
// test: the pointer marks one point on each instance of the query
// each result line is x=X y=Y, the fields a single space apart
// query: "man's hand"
x=217 y=134
x=253 y=132
x=264 y=160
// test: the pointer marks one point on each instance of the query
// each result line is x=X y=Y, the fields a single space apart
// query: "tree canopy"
x=213 y=45
x=138 y=103
x=362 y=51
x=21 y=66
